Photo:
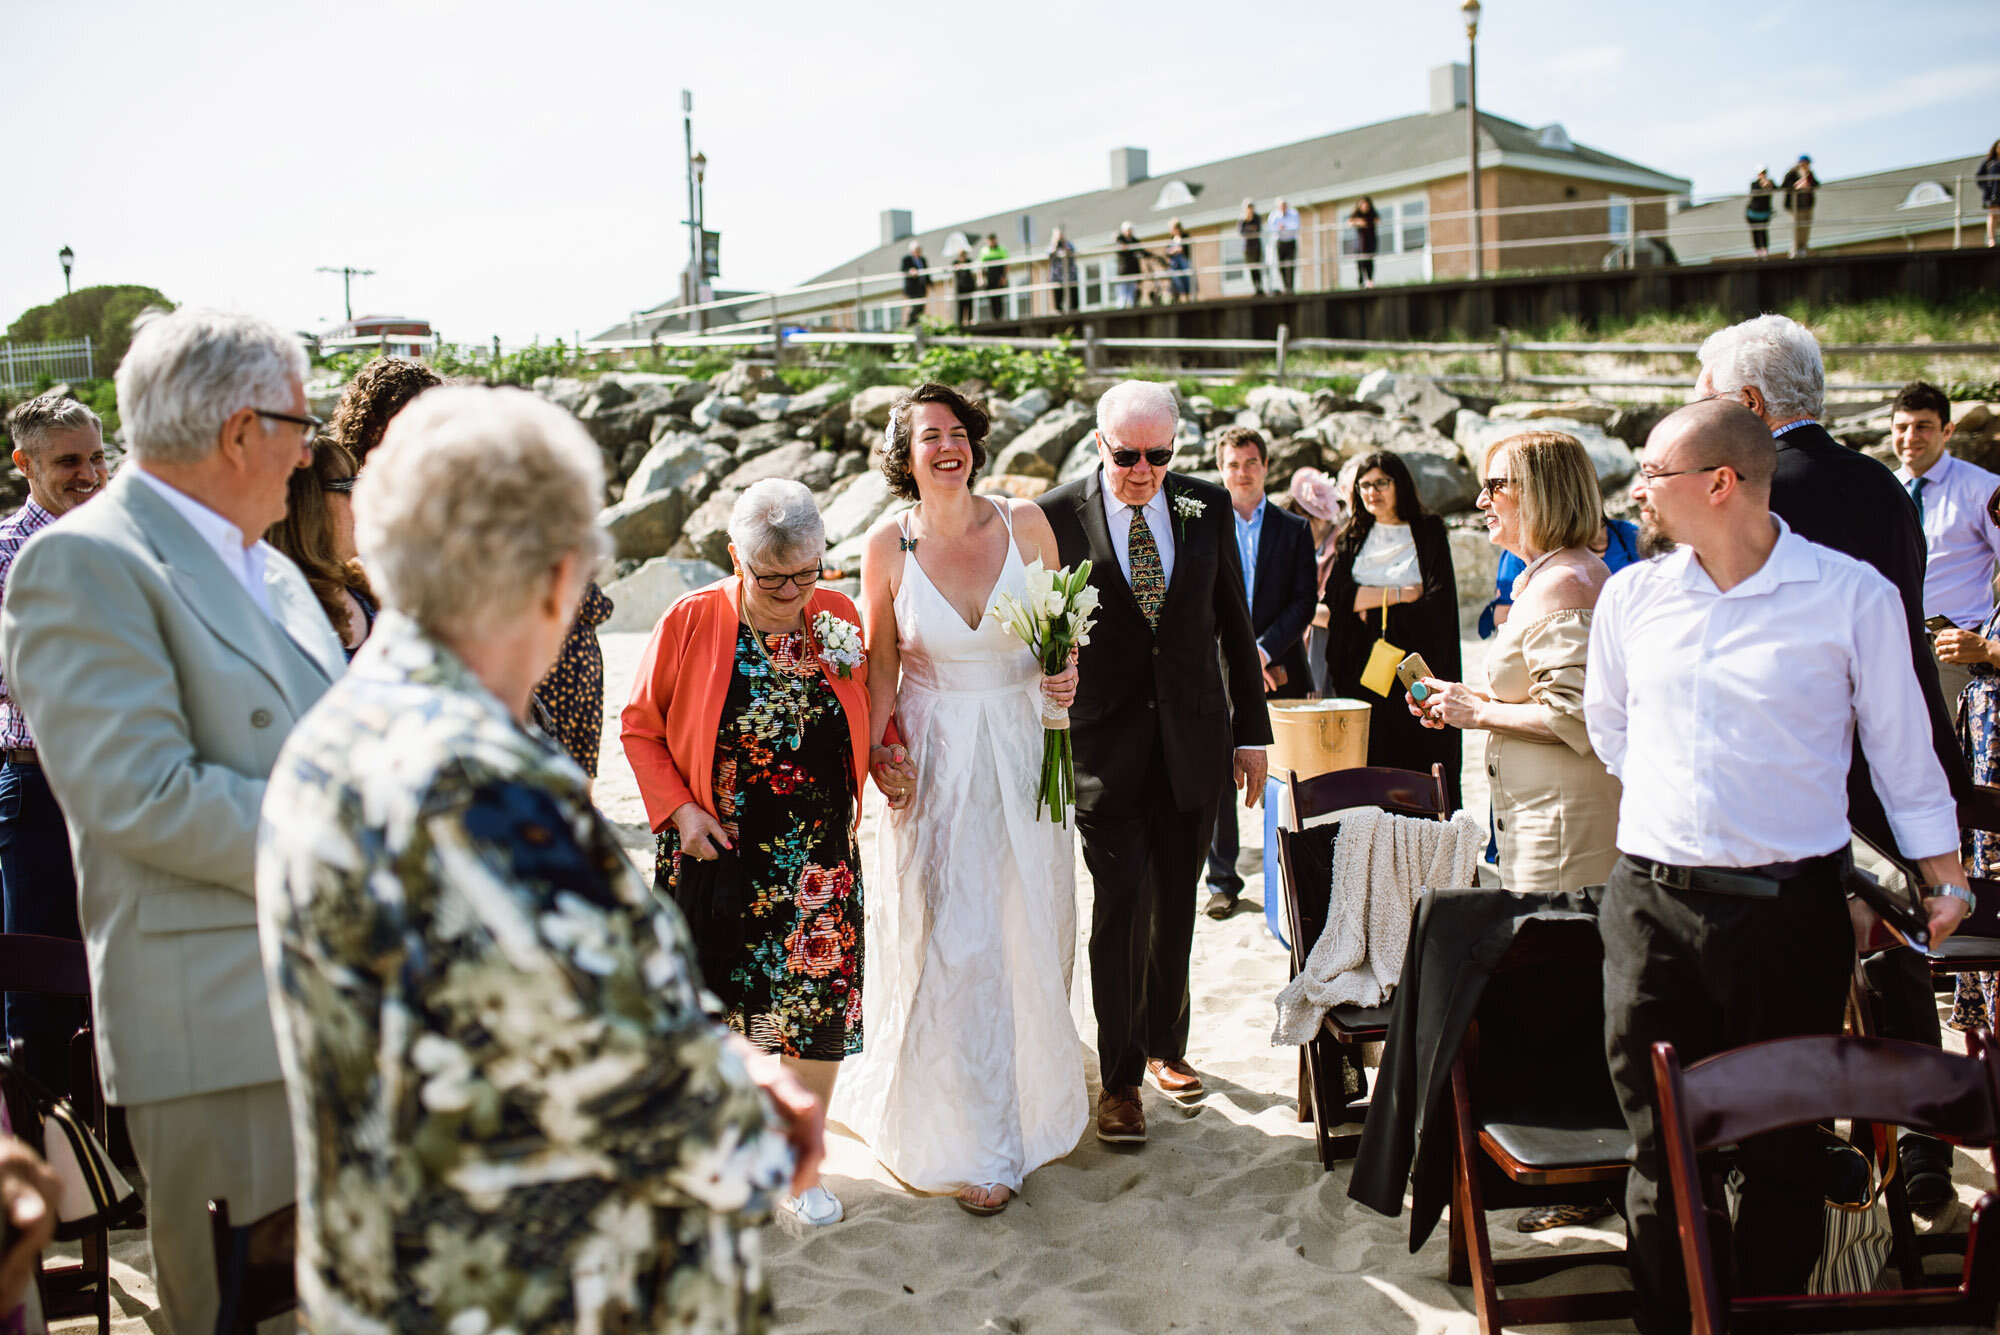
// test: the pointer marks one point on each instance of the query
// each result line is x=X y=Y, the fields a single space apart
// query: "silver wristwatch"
x=1957 y=892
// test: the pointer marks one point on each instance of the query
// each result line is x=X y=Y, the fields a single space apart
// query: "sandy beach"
x=1223 y=1222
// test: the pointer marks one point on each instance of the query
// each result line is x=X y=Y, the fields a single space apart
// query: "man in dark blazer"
x=1276 y=549
x=1156 y=732
x=1841 y=498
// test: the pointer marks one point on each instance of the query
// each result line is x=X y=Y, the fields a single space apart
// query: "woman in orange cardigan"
x=748 y=732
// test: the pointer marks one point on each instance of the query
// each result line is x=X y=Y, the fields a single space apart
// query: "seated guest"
x=1392 y=580
x=749 y=747
x=59 y=448
x=377 y=393
x=1727 y=681
x=162 y=652
x=1283 y=588
x=1961 y=545
x=513 y=1110
x=317 y=532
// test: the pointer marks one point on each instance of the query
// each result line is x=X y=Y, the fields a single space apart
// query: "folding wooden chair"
x=1536 y=1119
x=1323 y=1095
x=52 y=966
x=1796 y=1081
x=254 y=1279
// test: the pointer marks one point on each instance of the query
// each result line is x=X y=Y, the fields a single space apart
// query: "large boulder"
x=1291 y=453
x=609 y=392
x=1014 y=485
x=1280 y=411
x=871 y=406
x=1444 y=485
x=845 y=556
x=685 y=463
x=565 y=392
x=1594 y=411
x=859 y=504
x=771 y=407
x=1019 y=460
x=815 y=401
x=1975 y=434
x=765 y=437
x=799 y=459
x=645 y=526
x=1613 y=458
x=705 y=535
x=1344 y=436
x=639 y=599
x=1081 y=460
x=1056 y=432
x=1399 y=394
x=1029 y=406
x=1475 y=564
x=742 y=379
x=616 y=428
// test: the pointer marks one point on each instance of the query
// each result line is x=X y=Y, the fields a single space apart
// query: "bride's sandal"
x=989 y=1206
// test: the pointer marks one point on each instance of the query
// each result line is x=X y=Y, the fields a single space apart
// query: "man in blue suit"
x=1280 y=583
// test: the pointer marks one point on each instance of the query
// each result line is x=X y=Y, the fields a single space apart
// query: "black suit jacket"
x=1841 y=498
x=1285 y=594
x=1137 y=687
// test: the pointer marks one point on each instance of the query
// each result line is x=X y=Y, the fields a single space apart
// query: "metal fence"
x=24 y=365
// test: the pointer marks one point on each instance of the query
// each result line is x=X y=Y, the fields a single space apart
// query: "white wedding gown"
x=972 y=1072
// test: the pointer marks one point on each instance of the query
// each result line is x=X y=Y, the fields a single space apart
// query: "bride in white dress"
x=973 y=1074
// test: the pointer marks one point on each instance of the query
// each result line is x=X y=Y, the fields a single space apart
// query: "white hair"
x=1776 y=356
x=776 y=518
x=191 y=370
x=473 y=497
x=32 y=423
x=1141 y=400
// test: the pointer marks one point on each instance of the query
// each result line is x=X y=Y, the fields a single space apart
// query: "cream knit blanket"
x=1381 y=863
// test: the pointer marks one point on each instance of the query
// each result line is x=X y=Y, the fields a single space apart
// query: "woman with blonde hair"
x=317 y=532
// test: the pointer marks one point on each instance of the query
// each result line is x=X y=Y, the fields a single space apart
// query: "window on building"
x=1925 y=193
x=1618 y=216
x=1554 y=137
x=1173 y=195
x=1416 y=232
x=1093 y=283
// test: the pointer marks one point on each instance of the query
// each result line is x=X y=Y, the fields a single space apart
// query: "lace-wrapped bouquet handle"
x=1053 y=617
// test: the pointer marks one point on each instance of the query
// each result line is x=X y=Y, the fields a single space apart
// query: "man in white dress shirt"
x=1284 y=225
x=1727 y=683
x=1962 y=544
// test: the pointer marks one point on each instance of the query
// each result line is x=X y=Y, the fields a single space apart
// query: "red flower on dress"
x=820 y=886
x=815 y=951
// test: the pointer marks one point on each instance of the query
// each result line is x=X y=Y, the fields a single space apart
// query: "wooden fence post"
x=1284 y=338
x=1502 y=341
x=1090 y=348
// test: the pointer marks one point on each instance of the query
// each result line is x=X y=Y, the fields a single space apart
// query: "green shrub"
x=105 y=314
x=1011 y=372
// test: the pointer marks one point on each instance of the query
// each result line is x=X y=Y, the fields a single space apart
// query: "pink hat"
x=1314 y=492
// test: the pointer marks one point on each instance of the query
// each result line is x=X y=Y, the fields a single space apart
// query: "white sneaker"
x=818 y=1207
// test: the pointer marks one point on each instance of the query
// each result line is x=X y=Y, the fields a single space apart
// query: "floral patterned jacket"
x=514 y=1108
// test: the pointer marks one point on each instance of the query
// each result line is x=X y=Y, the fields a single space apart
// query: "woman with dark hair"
x=317 y=532
x=1250 y=229
x=971 y=918
x=1365 y=221
x=377 y=393
x=1989 y=189
x=1392 y=580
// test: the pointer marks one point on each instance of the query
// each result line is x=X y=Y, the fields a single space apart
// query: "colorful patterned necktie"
x=1149 y=582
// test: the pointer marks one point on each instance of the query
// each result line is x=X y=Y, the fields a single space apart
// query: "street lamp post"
x=1471 y=11
x=68 y=258
x=695 y=321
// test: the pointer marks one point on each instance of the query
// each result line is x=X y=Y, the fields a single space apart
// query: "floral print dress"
x=1977 y=1005
x=784 y=792
x=514 y=1108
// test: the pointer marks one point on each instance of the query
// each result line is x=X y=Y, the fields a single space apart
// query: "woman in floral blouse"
x=513 y=1108
x=749 y=737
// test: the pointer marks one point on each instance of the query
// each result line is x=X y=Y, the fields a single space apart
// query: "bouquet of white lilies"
x=1052 y=617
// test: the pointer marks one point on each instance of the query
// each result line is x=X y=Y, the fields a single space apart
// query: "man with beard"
x=1734 y=837
x=59 y=448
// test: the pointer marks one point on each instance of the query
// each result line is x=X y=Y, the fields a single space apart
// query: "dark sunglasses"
x=343 y=485
x=1159 y=458
x=1493 y=486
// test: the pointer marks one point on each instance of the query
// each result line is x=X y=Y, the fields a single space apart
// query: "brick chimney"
x=896 y=226
x=1128 y=167
x=1447 y=89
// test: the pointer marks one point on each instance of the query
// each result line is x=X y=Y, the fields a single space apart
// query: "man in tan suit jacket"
x=162 y=652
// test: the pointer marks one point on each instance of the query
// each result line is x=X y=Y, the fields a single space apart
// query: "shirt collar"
x=32 y=516
x=1939 y=471
x=1114 y=507
x=1256 y=515
x=1789 y=427
x=1791 y=561
x=216 y=531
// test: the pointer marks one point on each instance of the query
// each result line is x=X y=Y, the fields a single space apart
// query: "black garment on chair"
x=1457 y=937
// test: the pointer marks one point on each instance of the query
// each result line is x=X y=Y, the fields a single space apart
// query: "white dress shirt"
x=1730 y=718
x=245 y=563
x=1285 y=224
x=1118 y=518
x=1248 y=533
x=1963 y=544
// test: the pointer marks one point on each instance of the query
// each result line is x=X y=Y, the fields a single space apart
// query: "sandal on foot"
x=1544 y=1217
x=974 y=1207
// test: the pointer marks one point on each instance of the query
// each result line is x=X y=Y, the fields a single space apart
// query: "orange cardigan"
x=670 y=724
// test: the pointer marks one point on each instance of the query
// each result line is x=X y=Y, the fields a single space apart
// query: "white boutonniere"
x=839 y=643
x=1189 y=507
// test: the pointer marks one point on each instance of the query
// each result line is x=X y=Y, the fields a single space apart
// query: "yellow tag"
x=1380 y=674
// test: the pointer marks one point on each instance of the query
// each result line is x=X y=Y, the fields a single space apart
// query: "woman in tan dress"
x=1555 y=807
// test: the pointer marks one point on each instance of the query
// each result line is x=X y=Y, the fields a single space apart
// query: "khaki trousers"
x=234 y=1145
x=1952 y=680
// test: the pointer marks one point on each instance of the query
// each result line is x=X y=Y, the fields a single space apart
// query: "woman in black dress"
x=1393 y=561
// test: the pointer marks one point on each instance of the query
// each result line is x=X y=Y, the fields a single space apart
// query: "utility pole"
x=347 y=276
x=695 y=321
x=1471 y=11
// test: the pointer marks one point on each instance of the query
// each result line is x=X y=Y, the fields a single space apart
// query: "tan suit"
x=160 y=694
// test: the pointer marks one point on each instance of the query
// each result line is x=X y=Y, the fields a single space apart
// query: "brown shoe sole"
x=1121 y=1137
x=1193 y=1091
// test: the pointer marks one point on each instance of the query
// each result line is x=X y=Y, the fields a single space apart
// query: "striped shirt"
x=15 y=530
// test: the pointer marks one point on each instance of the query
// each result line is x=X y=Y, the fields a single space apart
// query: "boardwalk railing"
x=23 y=365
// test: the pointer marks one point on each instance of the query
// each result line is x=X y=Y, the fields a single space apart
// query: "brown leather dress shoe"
x=1173 y=1076
x=1120 y=1118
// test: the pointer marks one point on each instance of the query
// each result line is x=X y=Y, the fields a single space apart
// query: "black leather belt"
x=1743 y=882
x=22 y=756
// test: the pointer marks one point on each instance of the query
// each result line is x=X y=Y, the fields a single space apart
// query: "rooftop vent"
x=1128 y=167
x=896 y=226
x=1447 y=89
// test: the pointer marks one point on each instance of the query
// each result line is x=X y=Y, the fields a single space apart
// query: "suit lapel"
x=223 y=604
x=1103 y=556
x=1187 y=539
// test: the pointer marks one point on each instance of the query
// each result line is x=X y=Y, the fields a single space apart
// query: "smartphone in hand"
x=1411 y=672
x=1938 y=625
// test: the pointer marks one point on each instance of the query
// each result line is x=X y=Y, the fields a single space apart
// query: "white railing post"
x=89 y=363
x=1957 y=211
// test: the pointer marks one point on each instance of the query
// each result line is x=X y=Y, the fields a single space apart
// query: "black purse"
x=712 y=896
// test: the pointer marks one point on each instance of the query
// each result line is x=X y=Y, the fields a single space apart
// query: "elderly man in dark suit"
x=1841 y=498
x=1281 y=582
x=1156 y=732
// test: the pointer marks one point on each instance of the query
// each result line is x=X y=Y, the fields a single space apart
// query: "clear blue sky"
x=517 y=168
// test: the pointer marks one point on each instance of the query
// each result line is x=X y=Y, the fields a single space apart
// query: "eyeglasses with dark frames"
x=1493 y=486
x=1159 y=458
x=309 y=422
x=803 y=579
x=1379 y=484
x=1678 y=472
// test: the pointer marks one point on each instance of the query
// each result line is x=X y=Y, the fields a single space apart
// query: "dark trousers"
x=1253 y=256
x=1706 y=973
x=996 y=301
x=1144 y=855
x=965 y=305
x=1222 y=851
x=39 y=886
x=1364 y=268
x=1288 y=263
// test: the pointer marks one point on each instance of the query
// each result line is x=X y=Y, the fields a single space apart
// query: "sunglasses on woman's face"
x=1159 y=458
x=343 y=485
